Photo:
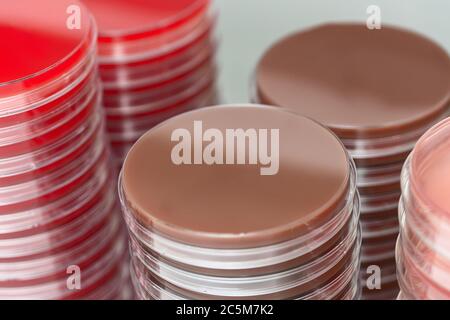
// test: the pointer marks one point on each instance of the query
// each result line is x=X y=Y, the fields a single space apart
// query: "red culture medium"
x=156 y=61
x=57 y=201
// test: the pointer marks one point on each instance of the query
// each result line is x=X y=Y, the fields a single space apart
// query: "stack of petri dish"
x=359 y=83
x=423 y=248
x=284 y=229
x=156 y=60
x=61 y=236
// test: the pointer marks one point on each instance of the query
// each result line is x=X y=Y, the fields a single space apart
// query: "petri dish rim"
x=88 y=40
x=379 y=132
x=154 y=28
x=254 y=238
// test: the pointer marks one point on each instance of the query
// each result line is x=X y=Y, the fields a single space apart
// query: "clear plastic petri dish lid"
x=28 y=137
x=353 y=293
x=83 y=250
x=343 y=287
x=299 y=277
x=429 y=252
x=388 y=234
x=128 y=129
x=69 y=44
x=380 y=251
x=120 y=151
x=116 y=99
x=320 y=286
x=58 y=239
x=381 y=238
x=164 y=105
x=154 y=85
x=379 y=179
x=206 y=97
x=347 y=280
x=380 y=227
x=109 y=269
x=374 y=257
x=389 y=283
x=402 y=296
x=25 y=137
x=431 y=267
x=427 y=256
x=146 y=27
x=58 y=211
x=387 y=186
x=118 y=287
x=48 y=188
x=404 y=277
x=61 y=215
x=76 y=86
x=380 y=204
x=388 y=291
x=387 y=267
x=154 y=50
x=124 y=137
x=29 y=166
x=157 y=94
x=206 y=42
x=383 y=222
x=96 y=274
x=425 y=182
x=380 y=172
x=98 y=290
x=387 y=151
x=416 y=237
x=413 y=282
x=335 y=288
x=132 y=128
x=123 y=291
x=123 y=134
x=144 y=18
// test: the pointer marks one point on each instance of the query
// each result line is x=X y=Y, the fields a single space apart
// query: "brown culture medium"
x=356 y=81
x=234 y=206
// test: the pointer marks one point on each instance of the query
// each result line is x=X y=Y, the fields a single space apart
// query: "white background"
x=247 y=27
